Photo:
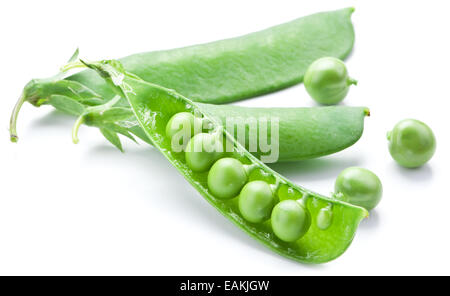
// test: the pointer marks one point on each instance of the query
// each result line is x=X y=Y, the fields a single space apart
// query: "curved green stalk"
x=13 y=121
x=100 y=109
x=76 y=127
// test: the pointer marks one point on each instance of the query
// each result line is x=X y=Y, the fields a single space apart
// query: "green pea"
x=256 y=201
x=202 y=150
x=411 y=143
x=182 y=125
x=178 y=122
x=226 y=178
x=360 y=187
x=290 y=220
x=327 y=81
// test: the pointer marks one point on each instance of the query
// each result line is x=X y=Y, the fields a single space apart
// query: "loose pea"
x=226 y=178
x=360 y=187
x=202 y=150
x=411 y=143
x=256 y=201
x=327 y=81
x=290 y=220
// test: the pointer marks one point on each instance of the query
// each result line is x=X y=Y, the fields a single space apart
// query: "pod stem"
x=76 y=127
x=340 y=196
x=303 y=199
x=94 y=109
x=13 y=121
x=249 y=168
x=275 y=186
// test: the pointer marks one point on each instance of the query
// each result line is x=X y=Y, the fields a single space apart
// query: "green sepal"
x=112 y=137
x=67 y=105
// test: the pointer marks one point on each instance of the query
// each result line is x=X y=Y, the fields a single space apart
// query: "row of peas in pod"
x=228 y=178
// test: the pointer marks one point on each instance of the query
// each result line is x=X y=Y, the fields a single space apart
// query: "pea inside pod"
x=181 y=127
x=290 y=220
x=227 y=177
x=290 y=231
x=202 y=150
x=256 y=201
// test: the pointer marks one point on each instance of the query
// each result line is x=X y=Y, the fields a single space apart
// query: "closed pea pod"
x=297 y=240
x=242 y=67
x=216 y=72
x=304 y=133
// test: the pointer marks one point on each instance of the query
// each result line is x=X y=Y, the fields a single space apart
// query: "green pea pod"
x=303 y=132
x=328 y=235
x=219 y=72
x=243 y=67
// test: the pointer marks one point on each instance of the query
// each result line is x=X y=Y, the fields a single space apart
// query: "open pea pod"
x=333 y=223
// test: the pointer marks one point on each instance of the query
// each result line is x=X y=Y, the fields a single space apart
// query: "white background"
x=88 y=209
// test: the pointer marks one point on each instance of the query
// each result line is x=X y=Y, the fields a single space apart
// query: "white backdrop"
x=88 y=209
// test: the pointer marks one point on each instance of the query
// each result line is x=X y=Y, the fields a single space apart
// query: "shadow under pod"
x=315 y=169
x=146 y=162
x=55 y=118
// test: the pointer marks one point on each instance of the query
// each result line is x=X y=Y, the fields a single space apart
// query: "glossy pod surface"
x=154 y=106
x=238 y=68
